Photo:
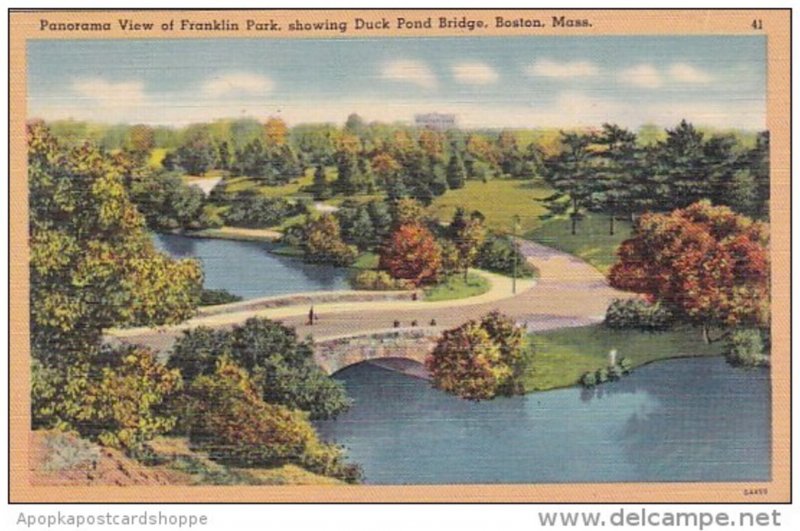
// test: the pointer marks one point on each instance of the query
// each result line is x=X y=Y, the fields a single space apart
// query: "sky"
x=493 y=82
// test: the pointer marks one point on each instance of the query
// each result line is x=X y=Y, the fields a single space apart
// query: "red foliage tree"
x=412 y=253
x=707 y=263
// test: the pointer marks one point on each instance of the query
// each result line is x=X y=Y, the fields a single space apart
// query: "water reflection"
x=680 y=420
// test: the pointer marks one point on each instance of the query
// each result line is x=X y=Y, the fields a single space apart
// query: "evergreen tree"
x=456 y=172
x=320 y=187
x=571 y=174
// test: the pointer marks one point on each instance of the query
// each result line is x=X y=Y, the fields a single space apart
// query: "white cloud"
x=686 y=73
x=474 y=73
x=237 y=83
x=409 y=71
x=643 y=75
x=127 y=102
x=108 y=93
x=548 y=68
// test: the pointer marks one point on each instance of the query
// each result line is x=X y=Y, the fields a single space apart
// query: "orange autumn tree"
x=707 y=263
x=412 y=253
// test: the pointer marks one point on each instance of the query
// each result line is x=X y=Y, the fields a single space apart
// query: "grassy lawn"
x=592 y=241
x=241 y=184
x=562 y=356
x=456 y=288
x=366 y=260
x=499 y=200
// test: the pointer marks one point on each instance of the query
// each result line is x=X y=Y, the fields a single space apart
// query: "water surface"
x=678 y=420
x=249 y=270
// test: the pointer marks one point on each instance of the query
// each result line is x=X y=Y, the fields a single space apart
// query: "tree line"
x=608 y=171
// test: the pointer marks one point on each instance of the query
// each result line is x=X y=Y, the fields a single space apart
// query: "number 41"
x=757 y=24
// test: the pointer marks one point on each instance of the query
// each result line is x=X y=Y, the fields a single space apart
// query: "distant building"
x=435 y=120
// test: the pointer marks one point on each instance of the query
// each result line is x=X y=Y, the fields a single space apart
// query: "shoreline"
x=414 y=369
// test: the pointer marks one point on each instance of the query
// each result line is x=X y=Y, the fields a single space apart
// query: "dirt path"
x=569 y=292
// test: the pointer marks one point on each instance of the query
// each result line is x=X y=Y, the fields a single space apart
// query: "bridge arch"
x=335 y=354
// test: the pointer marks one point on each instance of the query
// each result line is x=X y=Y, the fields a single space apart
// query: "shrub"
x=614 y=373
x=745 y=348
x=638 y=314
x=588 y=380
x=479 y=359
x=280 y=365
x=601 y=376
x=228 y=419
x=212 y=297
x=498 y=254
x=378 y=281
x=625 y=365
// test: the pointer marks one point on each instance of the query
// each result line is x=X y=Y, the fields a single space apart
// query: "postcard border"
x=589 y=493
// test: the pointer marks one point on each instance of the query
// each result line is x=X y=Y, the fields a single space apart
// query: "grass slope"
x=592 y=242
x=499 y=200
x=562 y=356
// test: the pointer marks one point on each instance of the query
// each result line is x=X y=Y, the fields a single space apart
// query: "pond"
x=249 y=270
x=692 y=419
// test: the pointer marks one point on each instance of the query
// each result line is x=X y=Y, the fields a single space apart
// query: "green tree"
x=468 y=234
x=320 y=187
x=615 y=169
x=571 y=174
x=167 y=203
x=92 y=266
x=281 y=366
x=456 y=172
x=680 y=163
x=197 y=153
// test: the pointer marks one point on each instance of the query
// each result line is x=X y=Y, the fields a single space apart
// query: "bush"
x=601 y=376
x=212 y=297
x=614 y=373
x=378 y=281
x=588 y=380
x=280 y=365
x=480 y=359
x=498 y=254
x=638 y=314
x=259 y=212
x=228 y=419
x=625 y=365
x=745 y=348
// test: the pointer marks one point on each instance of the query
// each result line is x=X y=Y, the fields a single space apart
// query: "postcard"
x=400 y=256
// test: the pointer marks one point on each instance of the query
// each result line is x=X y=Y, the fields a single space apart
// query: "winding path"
x=569 y=292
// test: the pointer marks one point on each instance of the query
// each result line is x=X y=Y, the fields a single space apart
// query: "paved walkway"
x=569 y=292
